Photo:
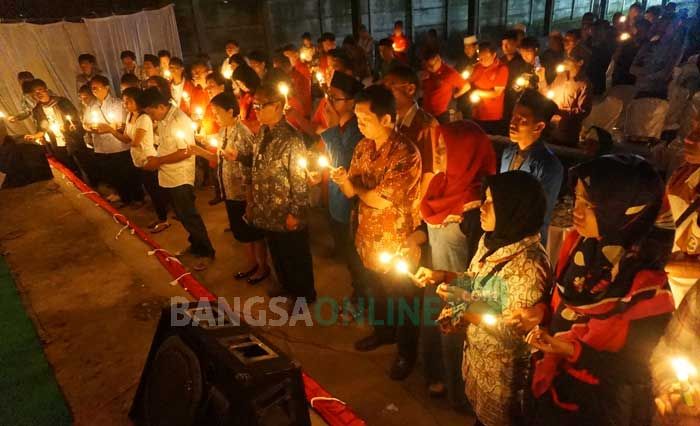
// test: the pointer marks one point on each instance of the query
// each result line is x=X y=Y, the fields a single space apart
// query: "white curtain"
x=144 y=32
x=50 y=52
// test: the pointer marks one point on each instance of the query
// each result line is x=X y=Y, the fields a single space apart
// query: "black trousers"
x=118 y=170
x=394 y=300
x=291 y=257
x=61 y=154
x=345 y=246
x=158 y=194
x=182 y=198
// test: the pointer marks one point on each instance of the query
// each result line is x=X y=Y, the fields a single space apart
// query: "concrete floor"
x=95 y=302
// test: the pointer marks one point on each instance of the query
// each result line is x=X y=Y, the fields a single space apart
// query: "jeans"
x=183 y=198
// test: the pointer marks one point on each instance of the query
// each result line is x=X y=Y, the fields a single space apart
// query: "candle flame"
x=167 y=74
x=560 y=68
x=68 y=117
x=185 y=96
x=402 y=267
x=95 y=117
x=521 y=81
x=550 y=94
x=319 y=76
x=199 y=111
x=194 y=126
x=385 y=257
x=466 y=74
x=323 y=162
x=227 y=74
x=2 y=114
x=474 y=98
x=625 y=36
x=213 y=142
x=683 y=368
x=180 y=134
x=303 y=162
x=283 y=89
x=623 y=18
x=489 y=319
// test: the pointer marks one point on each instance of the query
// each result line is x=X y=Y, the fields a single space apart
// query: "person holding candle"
x=466 y=61
x=300 y=75
x=129 y=64
x=677 y=398
x=247 y=82
x=112 y=155
x=164 y=62
x=151 y=67
x=571 y=91
x=626 y=52
x=257 y=60
x=553 y=55
x=387 y=59
x=180 y=87
x=176 y=167
x=129 y=80
x=399 y=42
x=384 y=175
x=488 y=83
x=232 y=47
x=28 y=103
x=307 y=51
x=340 y=140
x=441 y=85
x=234 y=155
x=138 y=132
x=198 y=97
x=529 y=153
x=450 y=208
x=611 y=302
x=517 y=67
x=280 y=196
x=509 y=271
x=59 y=125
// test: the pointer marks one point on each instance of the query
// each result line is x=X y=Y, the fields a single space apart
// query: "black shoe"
x=371 y=342
x=253 y=281
x=216 y=200
x=246 y=274
x=401 y=368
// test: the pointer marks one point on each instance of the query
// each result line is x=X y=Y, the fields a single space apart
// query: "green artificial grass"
x=29 y=394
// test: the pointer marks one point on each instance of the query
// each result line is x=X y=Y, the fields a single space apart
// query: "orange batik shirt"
x=394 y=171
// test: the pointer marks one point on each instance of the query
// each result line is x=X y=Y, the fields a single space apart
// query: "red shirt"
x=439 y=88
x=301 y=90
x=486 y=78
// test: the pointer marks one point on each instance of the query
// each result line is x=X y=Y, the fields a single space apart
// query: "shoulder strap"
x=692 y=208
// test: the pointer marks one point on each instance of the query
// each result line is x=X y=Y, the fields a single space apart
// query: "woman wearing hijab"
x=509 y=271
x=450 y=206
x=610 y=304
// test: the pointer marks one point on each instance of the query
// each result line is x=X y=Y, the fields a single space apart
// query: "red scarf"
x=470 y=157
x=608 y=328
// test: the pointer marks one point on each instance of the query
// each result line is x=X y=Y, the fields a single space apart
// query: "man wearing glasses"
x=280 y=195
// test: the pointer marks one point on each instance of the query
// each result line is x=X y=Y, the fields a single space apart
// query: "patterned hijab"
x=626 y=193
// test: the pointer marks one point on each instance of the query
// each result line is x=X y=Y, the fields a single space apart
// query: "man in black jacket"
x=61 y=131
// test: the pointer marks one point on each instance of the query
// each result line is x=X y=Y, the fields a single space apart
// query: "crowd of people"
x=424 y=207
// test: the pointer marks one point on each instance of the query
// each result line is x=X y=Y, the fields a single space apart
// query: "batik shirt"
x=394 y=172
x=234 y=176
x=279 y=181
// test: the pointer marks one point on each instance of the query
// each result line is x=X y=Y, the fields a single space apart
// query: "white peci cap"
x=470 y=40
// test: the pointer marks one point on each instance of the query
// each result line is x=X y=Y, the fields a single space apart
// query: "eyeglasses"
x=334 y=99
x=259 y=106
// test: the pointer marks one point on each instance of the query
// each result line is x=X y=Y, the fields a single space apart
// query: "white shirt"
x=54 y=118
x=180 y=173
x=140 y=154
x=176 y=91
x=109 y=111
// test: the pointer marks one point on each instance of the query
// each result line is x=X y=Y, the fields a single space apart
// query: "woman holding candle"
x=450 y=207
x=611 y=302
x=233 y=157
x=509 y=271
x=247 y=82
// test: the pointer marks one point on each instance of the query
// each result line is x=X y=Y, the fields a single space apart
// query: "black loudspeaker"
x=204 y=369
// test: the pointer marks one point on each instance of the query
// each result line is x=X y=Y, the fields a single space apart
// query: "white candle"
x=199 y=112
x=319 y=77
x=284 y=90
x=69 y=120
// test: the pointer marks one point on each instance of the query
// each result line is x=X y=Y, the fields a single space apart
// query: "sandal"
x=160 y=227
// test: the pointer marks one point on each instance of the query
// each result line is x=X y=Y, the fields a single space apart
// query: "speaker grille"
x=174 y=386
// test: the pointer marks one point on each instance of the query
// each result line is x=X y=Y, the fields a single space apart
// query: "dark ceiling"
x=41 y=11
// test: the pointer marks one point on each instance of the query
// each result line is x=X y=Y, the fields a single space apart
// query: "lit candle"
x=180 y=135
x=560 y=68
x=488 y=319
x=623 y=18
x=167 y=74
x=319 y=77
x=385 y=257
x=194 y=126
x=284 y=90
x=2 y=115
x=323 y=162
x=303 y=162
x=393 y=46
x=228 y=73
x=186 y=97
x=403 y=268
x=466 y=74
x=213 y=142
x=521 y=82
x=305 y=55
x=474 y=98
x=94 y=117
x=199 y=112
x=684 y=369
x=69 y=120
x=625 y=36
x=550 y=94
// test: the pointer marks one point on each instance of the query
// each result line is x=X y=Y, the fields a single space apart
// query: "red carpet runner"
x=333 y=412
